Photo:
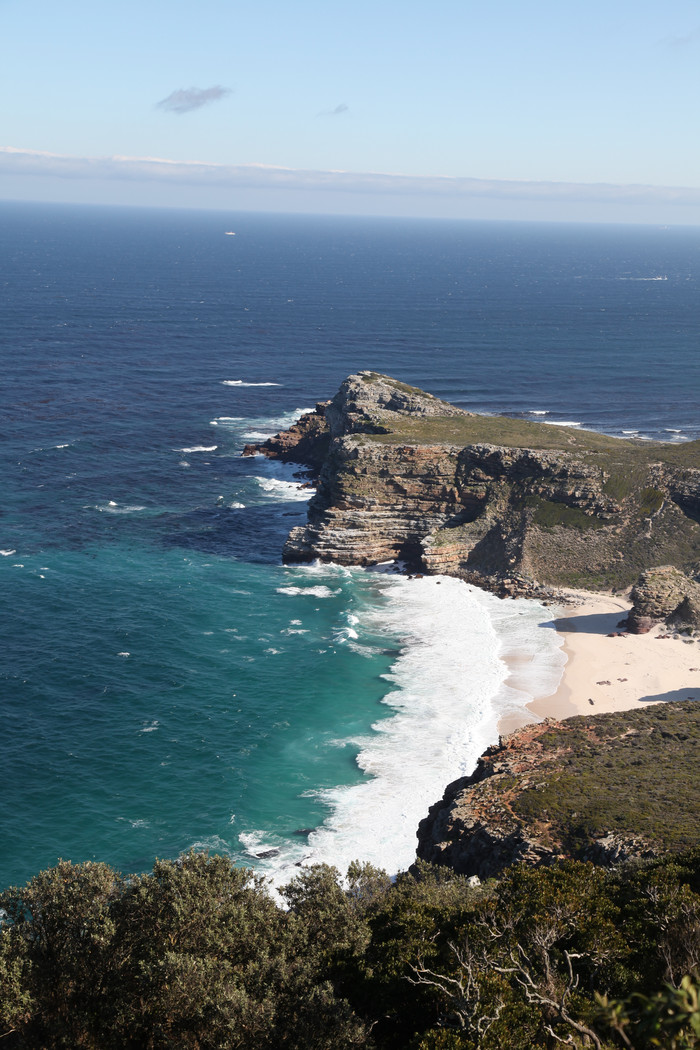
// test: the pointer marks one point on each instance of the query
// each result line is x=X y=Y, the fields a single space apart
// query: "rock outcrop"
x=573 y=788
x=664 y=595
x=307 y=441
x=509 y=505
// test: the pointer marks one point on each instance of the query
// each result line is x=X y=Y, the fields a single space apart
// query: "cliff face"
x=500 y=502
x=573 y=788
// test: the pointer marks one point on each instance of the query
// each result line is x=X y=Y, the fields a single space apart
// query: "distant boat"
x=229 y=233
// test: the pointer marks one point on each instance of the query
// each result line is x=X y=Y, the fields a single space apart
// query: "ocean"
x=167 y=682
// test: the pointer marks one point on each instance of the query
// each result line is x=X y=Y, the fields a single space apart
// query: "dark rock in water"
x=264 y=854
x=304 y=831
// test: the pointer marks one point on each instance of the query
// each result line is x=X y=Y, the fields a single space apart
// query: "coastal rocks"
x=305 y=442
x=517 y=508
x=362 y=400
x=472 y=829
x=573 y=789
x=664 y=595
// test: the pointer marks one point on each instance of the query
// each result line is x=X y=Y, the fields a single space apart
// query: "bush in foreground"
x=196 y=954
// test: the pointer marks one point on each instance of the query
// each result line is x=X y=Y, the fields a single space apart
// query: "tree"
x=56 y=960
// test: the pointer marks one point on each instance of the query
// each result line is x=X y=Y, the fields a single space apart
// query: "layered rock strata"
x=509 y=505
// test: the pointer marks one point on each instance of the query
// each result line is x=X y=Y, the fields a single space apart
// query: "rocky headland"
x=513 y=506
x=603 y=788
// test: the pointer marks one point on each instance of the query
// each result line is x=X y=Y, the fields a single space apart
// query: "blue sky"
x=537 y=110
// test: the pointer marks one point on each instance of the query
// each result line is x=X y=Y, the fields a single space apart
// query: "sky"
x=508 y=110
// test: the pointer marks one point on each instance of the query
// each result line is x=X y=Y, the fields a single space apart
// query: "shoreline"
x=606 y=674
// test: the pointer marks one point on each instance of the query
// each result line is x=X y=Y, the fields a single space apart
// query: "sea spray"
x=446 y=691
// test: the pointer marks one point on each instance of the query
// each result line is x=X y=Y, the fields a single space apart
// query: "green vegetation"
x=196 y=956
x=650 y=500
x=633 y=773
x=548 y=514
x=618 y=454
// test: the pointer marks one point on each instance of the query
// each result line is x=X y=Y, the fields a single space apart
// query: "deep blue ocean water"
x=166 y=682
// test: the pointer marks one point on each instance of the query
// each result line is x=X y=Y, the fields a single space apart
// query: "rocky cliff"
x=603 y=788
x=506 y=504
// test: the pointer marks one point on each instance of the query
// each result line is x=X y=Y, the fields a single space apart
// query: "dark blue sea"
x=166 y=682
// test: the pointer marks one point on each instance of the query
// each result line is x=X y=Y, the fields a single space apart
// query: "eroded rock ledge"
x=604 y=788
x=513 y=506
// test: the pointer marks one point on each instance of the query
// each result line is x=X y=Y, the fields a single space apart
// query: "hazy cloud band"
x=14 y=161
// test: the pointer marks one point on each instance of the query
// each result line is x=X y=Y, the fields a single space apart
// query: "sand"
x=604 y=673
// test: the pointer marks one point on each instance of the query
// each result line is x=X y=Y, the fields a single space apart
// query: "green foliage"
x=197 y=956
x=669 y=1018
x=55 y=954
x=194 y=955
x=650 y=500
x=632 y=773
x=550 y=514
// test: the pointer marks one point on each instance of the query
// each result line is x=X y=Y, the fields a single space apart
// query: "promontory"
x=510 y=505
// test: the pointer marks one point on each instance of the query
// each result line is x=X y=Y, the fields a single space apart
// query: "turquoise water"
x=166 y=682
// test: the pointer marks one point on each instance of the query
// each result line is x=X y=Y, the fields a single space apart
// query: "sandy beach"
x=616 y=673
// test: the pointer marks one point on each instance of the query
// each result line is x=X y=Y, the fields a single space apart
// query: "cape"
x=514 y=506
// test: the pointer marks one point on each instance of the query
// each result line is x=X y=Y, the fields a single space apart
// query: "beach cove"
x=607 y=670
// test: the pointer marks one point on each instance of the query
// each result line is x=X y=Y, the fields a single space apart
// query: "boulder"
x=664 y=595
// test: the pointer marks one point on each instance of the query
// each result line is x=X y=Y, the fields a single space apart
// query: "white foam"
x=538 y=412
x=630 y=431
x=114 y=508
x=236 y=506
x=257 y=843
x=285 y=491
x=269 y=424
x=211 y=844
x=241 y=382
x=7 y=553
x=50 y=448
x=563 y=423
x=152 y=728
x=258 y=435
x=197 y=448
x=123 y=654
x=449 y=686
x=319 y=591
